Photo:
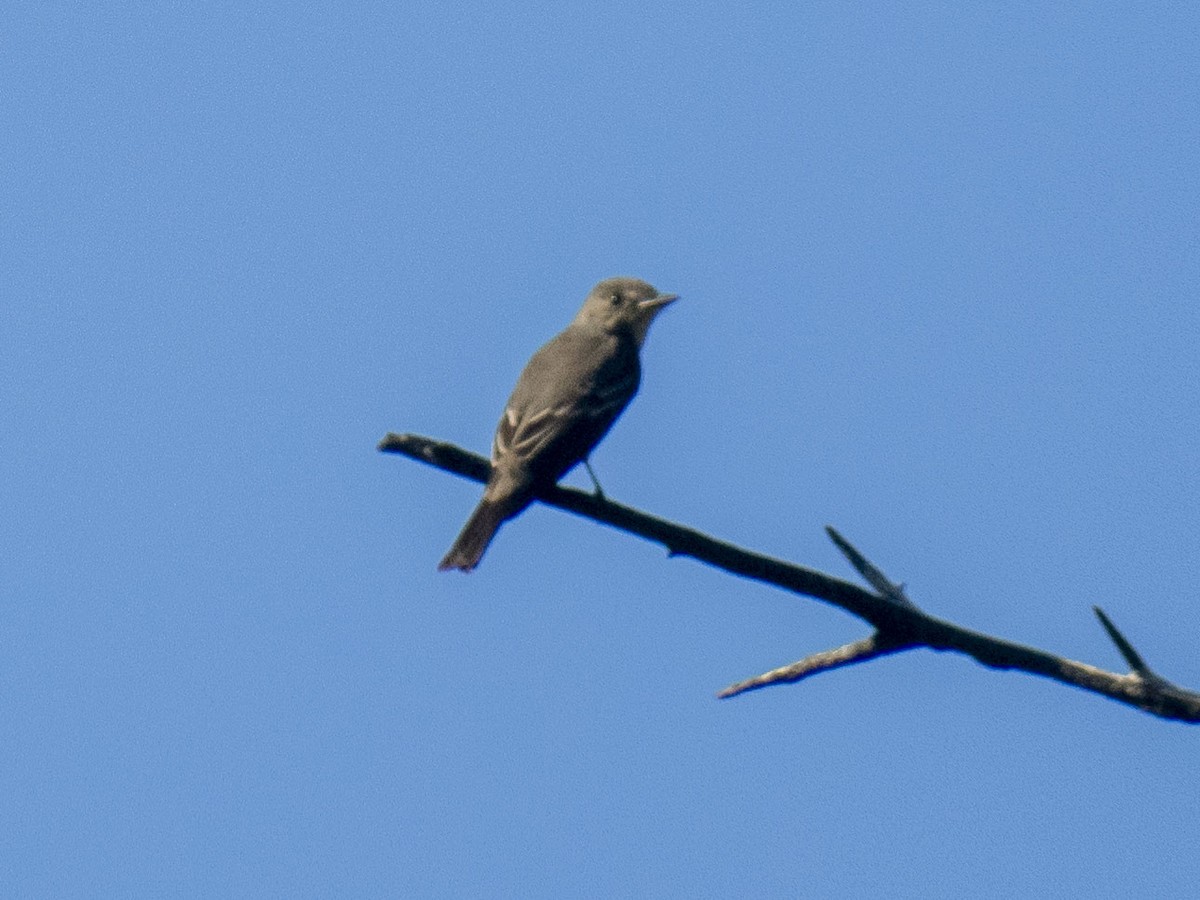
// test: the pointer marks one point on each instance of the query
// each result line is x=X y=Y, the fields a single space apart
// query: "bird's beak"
x=654 y=304
x=647 y=310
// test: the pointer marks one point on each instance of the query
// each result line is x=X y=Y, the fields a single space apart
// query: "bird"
x=568 y=396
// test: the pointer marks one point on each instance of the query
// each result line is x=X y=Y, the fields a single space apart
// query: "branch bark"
x=898 y=623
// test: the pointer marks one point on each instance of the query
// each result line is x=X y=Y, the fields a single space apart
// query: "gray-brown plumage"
x=568 y=396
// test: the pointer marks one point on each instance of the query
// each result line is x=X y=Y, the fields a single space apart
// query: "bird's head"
x=619 y=305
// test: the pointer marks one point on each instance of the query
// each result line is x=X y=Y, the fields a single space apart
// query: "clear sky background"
x=940 y=290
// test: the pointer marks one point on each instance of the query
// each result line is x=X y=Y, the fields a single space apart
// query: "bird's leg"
x=599 y=492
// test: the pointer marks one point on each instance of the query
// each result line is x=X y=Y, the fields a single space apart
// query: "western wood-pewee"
x=568 y=396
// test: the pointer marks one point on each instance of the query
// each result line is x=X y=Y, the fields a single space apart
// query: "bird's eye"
x=615 y=299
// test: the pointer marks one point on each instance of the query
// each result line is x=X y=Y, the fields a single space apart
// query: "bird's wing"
x=570 y=393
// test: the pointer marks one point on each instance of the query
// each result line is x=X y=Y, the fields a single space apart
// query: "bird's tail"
x=468 y=547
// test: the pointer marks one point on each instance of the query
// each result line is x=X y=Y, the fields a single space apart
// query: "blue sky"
x=939 y=280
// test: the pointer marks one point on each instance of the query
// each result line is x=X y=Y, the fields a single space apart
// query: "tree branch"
x=898 y=623
x=847 y=655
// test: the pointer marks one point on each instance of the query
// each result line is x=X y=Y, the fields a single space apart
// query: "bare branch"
x=679 y=540
x=1126 y=648
x=898 y=623
x=860 y=651
x=874 y=577
x=447 y=457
